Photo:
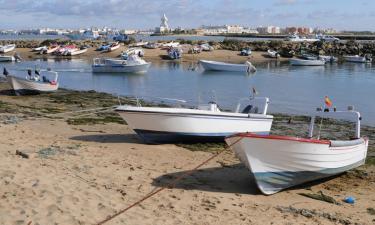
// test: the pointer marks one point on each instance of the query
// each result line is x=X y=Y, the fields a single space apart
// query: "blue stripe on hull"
x=149 y=136
x=273 y=182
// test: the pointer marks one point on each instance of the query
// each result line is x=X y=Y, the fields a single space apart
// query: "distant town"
x=165 y=29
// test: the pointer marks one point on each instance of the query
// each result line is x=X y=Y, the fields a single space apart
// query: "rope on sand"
x=170 y=185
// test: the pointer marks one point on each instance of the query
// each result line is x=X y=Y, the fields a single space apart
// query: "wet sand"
x=82 y=169
x=157 y=55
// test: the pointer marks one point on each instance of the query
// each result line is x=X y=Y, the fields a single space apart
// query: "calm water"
x=296 y=90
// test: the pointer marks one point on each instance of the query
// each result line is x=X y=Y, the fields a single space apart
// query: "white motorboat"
x=307 y=62
x=151 y=45
x=296 y=38
x=7 y=48
x=36 y=83
x=139 y=44
x=328 y=38
x=113 y=47
x=132 y=51
x=206 y=123
x=171 y=44
x=38 y=49
x=273 y=53
x=280 y=162
x=222 y=66
x=7 y=58
x=76 y=52
x=49 y=50
x=246 y=52
x=328 y=58
x=357 y=58
x=133 y=64
x=206 y=47
x=174 y=53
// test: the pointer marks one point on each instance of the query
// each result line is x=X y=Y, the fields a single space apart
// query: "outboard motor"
x=29 y=72
x=5 y=72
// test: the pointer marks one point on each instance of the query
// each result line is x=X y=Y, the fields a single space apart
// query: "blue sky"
x=142 y=14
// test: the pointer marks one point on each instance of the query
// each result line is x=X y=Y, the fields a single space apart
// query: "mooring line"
x=170 y=185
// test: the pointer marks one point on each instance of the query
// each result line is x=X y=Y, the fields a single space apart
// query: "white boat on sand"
x=38 y=49
x=280 y=162
x=77 y=52
x=357 y=58
x=307 y=62
x=273 y=54
x=206 y=123
x=133 y=64
x=222 y=66
x=36 y=83
x=113 y=47
x=7 y=48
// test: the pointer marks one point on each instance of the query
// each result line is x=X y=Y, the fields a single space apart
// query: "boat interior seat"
x=250 y=109
x=347 y=143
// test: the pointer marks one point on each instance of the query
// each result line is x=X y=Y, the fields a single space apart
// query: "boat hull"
x=119 y=68
x=304 y=62
x=357 y=59
x=7 y=59
x=23 y=86
x=181 y=125
x=278 y=163
x=218 y=66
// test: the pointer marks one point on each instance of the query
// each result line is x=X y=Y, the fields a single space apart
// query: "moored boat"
x=114 y=46
x=174 y=53
x=77 y=52
x=246 y=52
x=222 y=66
x=171 y=44
x=273 y=53
x=7 y=58
x=36 y=83
x=358 y=59
x=7 y=48
x=38 y=49
x=306 y=62
x=151 y=45
x=280 y=162
x=206 y=123
x=133 y=64
x=132 y=51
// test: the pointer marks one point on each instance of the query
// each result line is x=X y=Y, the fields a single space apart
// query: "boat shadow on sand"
x=108 y=138
x=229 y=179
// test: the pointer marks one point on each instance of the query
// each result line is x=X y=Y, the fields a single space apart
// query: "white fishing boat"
x=246 y=52
x=327 y=38
x=296 y=38
x=206 y=47
x=132 y=51
x=328 y=58
x=174 y=53
x=151 y=45
x=7 y=48
x=36 y=83
x=133 y=64
x=171 y=44
x=7 y=58
x=49 y=50
x=139 y=44
x=273 y=53
x=113 y=47
x=76 y=52
x=280 y=162
x=222 y=66
x=206 y=123
x=357 y=58
x=306 y=62
x=38 y=49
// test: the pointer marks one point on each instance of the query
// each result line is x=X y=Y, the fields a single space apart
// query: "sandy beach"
x=157 y=55
x=60 y=168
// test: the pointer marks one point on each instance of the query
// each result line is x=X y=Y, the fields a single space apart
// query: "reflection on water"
x=291 y=89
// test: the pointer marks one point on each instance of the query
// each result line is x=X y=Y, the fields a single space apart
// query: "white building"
x=164 y=27
x=227 y=29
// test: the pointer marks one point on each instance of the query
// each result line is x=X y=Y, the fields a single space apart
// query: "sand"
x=157 y=55
x=81 y=174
